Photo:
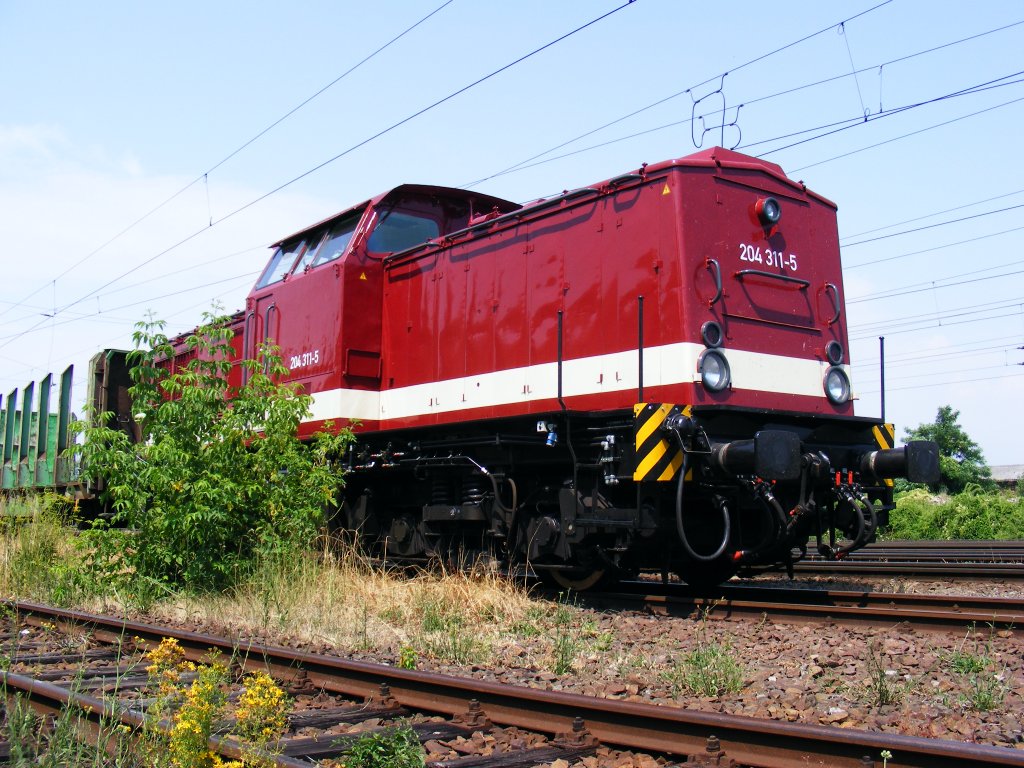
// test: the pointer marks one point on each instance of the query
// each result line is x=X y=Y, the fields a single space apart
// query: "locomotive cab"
x=319 y=299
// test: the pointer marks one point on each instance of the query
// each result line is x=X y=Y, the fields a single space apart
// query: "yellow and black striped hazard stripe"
x=885 y=438
x=658 y=455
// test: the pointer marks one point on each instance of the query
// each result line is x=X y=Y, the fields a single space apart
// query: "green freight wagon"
x=34 y=441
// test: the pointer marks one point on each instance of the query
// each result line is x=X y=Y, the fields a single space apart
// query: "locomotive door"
x=262 y=322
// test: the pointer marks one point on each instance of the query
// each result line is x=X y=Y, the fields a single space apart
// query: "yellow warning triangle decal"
x=665 y=190
x=362 y=276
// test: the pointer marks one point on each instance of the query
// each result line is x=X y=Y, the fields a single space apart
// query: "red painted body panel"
x=434 y=329
x=491 y=302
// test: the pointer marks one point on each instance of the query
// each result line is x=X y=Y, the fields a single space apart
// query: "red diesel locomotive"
x=650 y=372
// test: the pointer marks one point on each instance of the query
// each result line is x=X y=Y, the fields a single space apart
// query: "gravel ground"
x=963 y=686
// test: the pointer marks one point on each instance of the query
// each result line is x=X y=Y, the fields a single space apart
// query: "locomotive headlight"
x=714 y=370
x=834 y=352
x=711 y=334
x=837 y=385
x=768 y=211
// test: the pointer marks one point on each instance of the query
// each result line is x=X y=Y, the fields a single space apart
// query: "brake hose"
x=679 y=516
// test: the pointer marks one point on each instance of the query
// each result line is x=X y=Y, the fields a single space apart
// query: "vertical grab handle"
x=833 y=292
x=247 y=341
x=716 y=272
x=266 y=332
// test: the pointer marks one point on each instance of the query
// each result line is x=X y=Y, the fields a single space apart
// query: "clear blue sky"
x=109 y=109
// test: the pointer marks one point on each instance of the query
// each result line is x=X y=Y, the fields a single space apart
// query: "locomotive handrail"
x=831 y=290
x=581 y=192
x=246 y=339
x=625 y=178
x=413 y=248
x=713 y=266
x=774 y=276
x=266 y=331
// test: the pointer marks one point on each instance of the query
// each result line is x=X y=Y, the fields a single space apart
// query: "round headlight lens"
x=714 y=370
x=837 y=385
x=711 y=334
x=768 y=211
x=834 y=352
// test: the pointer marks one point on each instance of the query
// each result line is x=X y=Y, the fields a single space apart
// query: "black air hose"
x=858 y=540
x=679 y=516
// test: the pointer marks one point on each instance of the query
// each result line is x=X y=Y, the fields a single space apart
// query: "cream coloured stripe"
x=663 y=366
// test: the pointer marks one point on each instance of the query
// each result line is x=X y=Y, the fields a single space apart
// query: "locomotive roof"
x=713 y=157
x=727 y=158
x=481 y=203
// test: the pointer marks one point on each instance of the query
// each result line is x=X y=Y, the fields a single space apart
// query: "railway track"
x=941 y=612
x=996 y=559
x=469 y=706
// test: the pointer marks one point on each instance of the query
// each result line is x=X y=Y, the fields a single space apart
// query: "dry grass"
x=338 y=599
x=34 y=542
x=332 y=598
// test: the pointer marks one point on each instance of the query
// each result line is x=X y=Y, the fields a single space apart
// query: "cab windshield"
x=320 y=246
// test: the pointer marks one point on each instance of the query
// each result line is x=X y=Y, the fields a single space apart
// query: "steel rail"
x=912 y=568
x=846 y=607
x=766 y=592
x=632 y=725
x=993 y=558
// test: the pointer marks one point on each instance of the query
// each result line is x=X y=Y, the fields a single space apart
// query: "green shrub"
x=975 y=513
x=219 y=479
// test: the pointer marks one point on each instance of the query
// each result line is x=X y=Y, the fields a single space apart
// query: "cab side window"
x=398 y=230
x=280 y=263
x=337 y=239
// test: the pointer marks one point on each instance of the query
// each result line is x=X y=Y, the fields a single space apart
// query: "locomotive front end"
x=762 y=453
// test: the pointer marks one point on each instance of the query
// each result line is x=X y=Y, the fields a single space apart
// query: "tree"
x=960 y=458
x=220 y=476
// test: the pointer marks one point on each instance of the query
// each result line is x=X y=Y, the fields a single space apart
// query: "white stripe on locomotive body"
x=663 y=366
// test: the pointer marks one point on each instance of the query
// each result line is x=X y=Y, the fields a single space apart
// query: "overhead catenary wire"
x=330 y=160
x=820 y=131
x=934 y=285
x=523 y=163
x=1008 y=344
x=529 y=162
x=947 y=382
x=933 y=226
x=759 y=58
x=933 y=248
x=929 y=215
x=204 y=176
x=893 y=322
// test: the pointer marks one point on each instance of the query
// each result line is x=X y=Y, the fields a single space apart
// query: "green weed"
x=710 y=669
x=391 y=748
x=984 y=682
x=567 y=640
x=407 y=657
x=881 y=687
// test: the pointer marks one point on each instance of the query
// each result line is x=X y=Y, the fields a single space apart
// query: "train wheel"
x=576 y=579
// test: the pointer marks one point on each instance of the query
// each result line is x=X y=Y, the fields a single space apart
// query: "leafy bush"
x=961 y=462
x=220 y=478
x=973 y=514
